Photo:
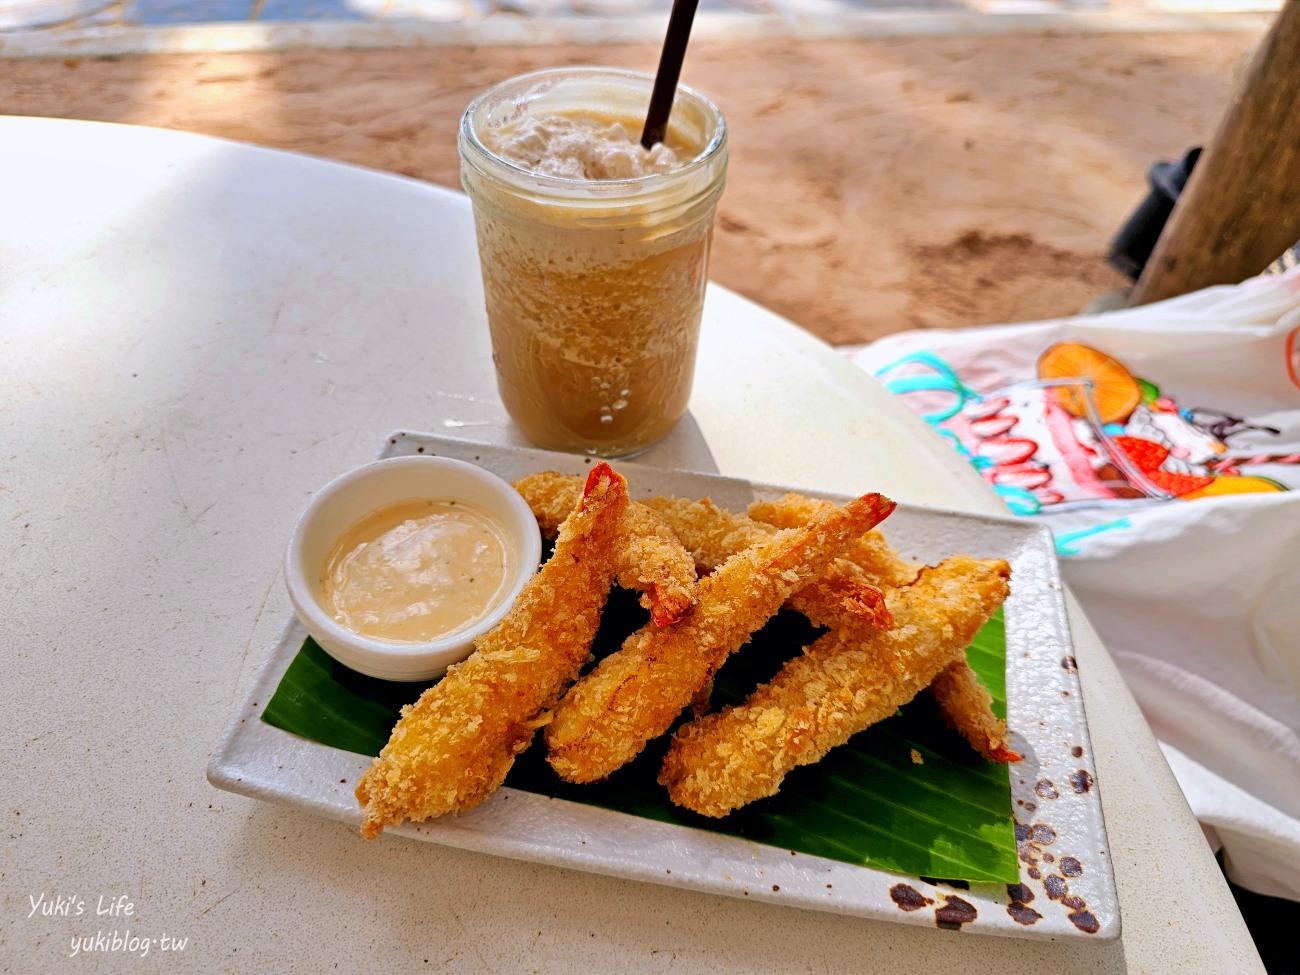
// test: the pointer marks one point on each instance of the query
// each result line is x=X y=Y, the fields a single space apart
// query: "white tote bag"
x=1161 y=444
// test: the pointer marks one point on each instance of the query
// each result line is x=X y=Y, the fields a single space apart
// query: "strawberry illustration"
x=1148 y=456
x=988 y=427
x=1027 y=476
x=1007 y=451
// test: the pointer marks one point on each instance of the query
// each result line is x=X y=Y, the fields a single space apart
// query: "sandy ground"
x=874 y=185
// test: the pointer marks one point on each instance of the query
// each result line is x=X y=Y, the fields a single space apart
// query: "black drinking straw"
x=670 y=69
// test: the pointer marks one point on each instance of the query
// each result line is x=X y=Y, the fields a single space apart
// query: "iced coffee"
x=594 y=252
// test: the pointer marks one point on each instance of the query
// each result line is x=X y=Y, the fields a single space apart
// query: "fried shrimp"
x=967 y=708
x=843 y=683
x=452 y=748
x=551 y=496
x=635 y=694
x=881 y=565
x=965 y=703
x=713 y=535
x=650 y=559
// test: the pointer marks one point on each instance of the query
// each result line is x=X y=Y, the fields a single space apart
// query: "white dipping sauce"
x=417 y=571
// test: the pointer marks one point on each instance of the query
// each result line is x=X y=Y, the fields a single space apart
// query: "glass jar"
x=594 y=287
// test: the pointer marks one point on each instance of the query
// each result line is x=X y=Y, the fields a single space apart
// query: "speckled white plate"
x=1066 y=889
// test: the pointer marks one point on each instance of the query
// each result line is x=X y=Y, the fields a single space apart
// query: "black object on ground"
x=1136 y=240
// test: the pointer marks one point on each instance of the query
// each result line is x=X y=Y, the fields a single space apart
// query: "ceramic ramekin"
x=346 y=500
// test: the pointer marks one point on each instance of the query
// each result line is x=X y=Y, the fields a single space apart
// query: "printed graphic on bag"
x=1086 y=432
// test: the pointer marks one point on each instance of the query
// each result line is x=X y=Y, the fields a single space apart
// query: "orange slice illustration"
x=1115 y=391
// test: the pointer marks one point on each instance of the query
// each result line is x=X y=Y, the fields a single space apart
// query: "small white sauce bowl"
x=349 y=498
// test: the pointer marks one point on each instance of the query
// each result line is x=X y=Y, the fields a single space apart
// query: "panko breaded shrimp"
x=711 y=534
x=552 y=496
x=452 y=748
x=879 y=562
x=635 y=694
x=840 y=599
x=837 y=687
x=967 y=708
x=965 y=702
x=650 y=559
x=714 y=534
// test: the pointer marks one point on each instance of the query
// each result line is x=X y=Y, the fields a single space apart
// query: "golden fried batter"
x=840 y=685
x=452 y=748
x=840 y=599
x=650 y=558
x=880 y=564
x=964 y=701
x=967 y=708
x=714 y=534
x=552 y=496
x=711 y=534
x=635 y=694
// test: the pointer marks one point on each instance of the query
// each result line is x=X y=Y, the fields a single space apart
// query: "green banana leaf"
x=869 y=802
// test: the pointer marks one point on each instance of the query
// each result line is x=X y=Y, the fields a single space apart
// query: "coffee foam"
x=577 y=147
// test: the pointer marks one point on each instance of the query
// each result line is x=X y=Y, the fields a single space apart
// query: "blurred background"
x=941 y=162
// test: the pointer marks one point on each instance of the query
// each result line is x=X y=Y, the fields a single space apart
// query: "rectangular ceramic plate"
x=1067 y=887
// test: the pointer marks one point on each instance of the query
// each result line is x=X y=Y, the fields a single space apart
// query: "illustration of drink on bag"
x=1087 y=432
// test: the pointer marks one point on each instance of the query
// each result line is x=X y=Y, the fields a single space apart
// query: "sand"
x=875 y=185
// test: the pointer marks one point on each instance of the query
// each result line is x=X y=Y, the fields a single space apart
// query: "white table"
x=194 y=336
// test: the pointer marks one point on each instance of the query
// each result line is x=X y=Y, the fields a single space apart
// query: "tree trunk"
x=1241 y=207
